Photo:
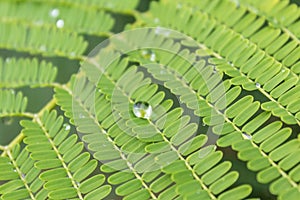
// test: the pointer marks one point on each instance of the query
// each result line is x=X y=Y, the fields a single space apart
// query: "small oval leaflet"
x=142 y=110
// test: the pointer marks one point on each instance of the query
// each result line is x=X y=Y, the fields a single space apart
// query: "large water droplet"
x=60 y=23
x=142 y=110
x=54 y=13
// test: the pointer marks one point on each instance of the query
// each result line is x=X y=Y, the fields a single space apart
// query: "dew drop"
x=149 y=54
x=60 y=23
x=142 y=110
x=67 y=127
x=23 y=176
x=257 y=85
x=43 y=48
x=7 y=60
x=214 y=70
x=81 y=116
x=247 y=136
x=179 y=6
x=162 y=31
x=54 y=13
x=38 y=22
x=7 y=120
x=72 y=54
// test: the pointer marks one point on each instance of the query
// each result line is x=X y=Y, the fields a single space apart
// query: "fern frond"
x=41 y=40
x=31 y=72
x=12 y=103
x=289 y=15
x=269 y=171
x=237 y=115
x=123 y=6
x=214 y=35
x=96 y=134
x=251 y=27
x=75 y=18
x=20 y=176
x=236 y=87
x=164 y=135
x=67 y=171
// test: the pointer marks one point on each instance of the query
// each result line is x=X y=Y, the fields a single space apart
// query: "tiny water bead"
x=7 y=120
x=148 y=54
x=43 y=48
x=60 y=23
x=247 y=136
x=257 y=85
x=54 y=13
x=142 y=110
x=67 y=127
x=162 y=31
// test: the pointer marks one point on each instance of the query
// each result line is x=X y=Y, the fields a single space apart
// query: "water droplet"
x=247 y=136
x=108 y=4
x=203 y=124
x=54 y=13
x=67 y=127
x=43 y=48
x=60 y=23
x=142 y=110
x=179 y=6
x=38 y=22
x=149 y=54
x=23 y=176
x=214 y=70
x=162 y=31
x=257 y=85
x=81 y=116
x=283 y=70
x=156 y=20
x=7 y=120
x=72 y=54
x=7 y=60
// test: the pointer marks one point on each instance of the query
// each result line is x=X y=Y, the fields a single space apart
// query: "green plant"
x=225 y=84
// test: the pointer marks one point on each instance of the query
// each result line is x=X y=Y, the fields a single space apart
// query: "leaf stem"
x=65 y=166
x=21 y=175
x=16 y=140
